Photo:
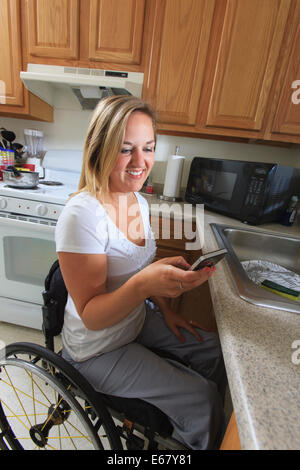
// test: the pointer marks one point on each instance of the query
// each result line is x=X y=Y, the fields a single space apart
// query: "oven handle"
x=19 y=224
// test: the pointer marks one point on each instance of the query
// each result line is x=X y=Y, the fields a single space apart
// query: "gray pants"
x=192 y=398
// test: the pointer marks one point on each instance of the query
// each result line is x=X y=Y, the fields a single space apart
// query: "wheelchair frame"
x=139 y=424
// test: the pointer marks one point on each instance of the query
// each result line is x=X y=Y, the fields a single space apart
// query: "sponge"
x=271 y=286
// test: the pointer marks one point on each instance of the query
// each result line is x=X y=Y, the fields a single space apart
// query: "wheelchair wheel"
x=46 y=404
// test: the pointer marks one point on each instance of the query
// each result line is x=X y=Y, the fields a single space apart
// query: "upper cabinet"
x=285 y=116
x=213 y=68
x=15 y=101
x=215 y=65
x=174 y=80
x=86 y=32
x=116 y=31
x=11 y=55
x=53 y=28
x=245 y=58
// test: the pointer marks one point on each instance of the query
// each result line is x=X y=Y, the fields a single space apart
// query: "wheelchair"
x=45 y=403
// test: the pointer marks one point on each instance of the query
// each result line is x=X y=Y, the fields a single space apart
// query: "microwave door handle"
x=22 y=224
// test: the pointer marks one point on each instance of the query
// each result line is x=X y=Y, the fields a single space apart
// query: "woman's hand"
x=169 y=277
x=175 y=321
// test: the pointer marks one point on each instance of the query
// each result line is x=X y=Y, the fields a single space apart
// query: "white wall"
x=69 y=128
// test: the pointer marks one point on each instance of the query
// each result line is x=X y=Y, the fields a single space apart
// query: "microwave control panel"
x=255 y=191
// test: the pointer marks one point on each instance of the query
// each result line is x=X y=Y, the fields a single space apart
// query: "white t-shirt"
x=85 y=227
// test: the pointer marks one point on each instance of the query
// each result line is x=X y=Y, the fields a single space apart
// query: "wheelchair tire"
x=46 y=404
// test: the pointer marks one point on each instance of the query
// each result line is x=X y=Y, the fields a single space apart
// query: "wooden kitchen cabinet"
x=52 y=28
x=214 y=64
x=87 y=33
x=11 y=55
x=116 y=31
x=174 y=79
x=284 y=123
x=231 y=439
x=195 y=304
x=213 y=68
x=15 y=100
x=243 y=65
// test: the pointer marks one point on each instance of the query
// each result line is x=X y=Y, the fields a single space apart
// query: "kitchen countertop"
x=264 y=379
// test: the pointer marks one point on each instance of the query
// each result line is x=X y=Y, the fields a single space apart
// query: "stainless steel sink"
x=247 y=244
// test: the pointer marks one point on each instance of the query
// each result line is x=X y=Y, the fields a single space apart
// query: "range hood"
x=88 y=86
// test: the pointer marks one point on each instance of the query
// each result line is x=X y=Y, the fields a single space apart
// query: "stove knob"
x=41 y=210
x=3 y=203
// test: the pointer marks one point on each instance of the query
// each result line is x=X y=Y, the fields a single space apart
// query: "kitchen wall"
x=69 y=128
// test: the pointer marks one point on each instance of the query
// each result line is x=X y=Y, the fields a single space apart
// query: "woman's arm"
x=85 y=279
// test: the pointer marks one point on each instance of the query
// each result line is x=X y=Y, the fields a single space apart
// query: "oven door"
x=27 y=250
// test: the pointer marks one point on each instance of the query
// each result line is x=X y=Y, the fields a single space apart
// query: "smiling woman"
x=106 y=140
x=136 y=158
x=106 y=247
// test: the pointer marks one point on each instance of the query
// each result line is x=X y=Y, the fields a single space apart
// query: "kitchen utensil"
x=17 y=147
x=20 y=151
x=34 y=142
x=20 y=179
x=8 y=136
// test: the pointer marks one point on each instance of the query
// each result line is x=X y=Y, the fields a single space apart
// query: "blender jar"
x=34 y=142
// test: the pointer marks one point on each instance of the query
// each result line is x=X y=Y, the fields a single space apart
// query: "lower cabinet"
x=196 y=304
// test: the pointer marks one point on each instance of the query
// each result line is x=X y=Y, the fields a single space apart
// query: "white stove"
x=62 y=170
x=44 y=202
x=27 y=247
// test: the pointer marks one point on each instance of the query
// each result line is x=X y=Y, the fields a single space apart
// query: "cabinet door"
x=116 y=30
x=180 y=44
x=196 y=304
x=250 y=38
x=287 y=116
x=11 y=88
x=53 y=28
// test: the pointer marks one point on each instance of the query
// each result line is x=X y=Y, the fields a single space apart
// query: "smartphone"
x=210 y=259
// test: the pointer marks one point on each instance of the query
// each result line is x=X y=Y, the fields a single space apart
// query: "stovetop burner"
x=51 y=183
x=21 y=187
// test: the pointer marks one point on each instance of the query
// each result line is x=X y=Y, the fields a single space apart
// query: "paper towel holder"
x=171 y=198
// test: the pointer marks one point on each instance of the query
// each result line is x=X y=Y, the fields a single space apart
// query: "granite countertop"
x=257 y=342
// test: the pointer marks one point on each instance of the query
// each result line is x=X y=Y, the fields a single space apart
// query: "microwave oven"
x=253 y=192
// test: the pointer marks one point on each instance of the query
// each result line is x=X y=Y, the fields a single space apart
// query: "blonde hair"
x=104 y=138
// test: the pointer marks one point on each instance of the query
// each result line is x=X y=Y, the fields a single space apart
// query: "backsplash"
x=69 y=128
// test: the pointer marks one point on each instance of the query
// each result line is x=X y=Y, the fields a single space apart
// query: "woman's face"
x=136 y=156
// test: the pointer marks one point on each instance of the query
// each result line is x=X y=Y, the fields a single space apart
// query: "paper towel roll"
x=173 y=176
